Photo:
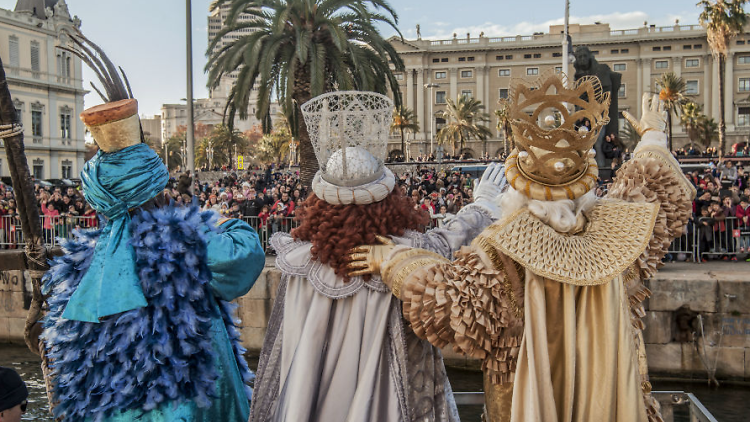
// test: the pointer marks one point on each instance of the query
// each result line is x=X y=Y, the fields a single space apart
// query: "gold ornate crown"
x=553 y=158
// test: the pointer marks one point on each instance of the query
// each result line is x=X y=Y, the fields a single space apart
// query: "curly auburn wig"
x=335 y=229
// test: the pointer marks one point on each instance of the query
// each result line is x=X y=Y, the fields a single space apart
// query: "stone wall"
x=13 y=305
x=721 y=298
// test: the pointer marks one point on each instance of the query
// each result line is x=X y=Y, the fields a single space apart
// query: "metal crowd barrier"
x=672 y=403
x=725 y=239
x=53 y=229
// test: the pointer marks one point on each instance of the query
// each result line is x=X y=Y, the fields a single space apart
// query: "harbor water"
x=729 y=403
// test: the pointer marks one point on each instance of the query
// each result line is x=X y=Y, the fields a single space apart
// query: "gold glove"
x=366 y=259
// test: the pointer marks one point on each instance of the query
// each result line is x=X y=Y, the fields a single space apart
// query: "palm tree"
x=692 y=113
x=630 y=136
x=404 y=120
x=294 y=50
x=274 y=146
x=707 y=130
x=225 y=141
x=503 y=124
x=672 y=92
x=463 y=121
x=723 y=20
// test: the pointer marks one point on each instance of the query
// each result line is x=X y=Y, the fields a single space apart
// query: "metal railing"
x=54 y=228
x=726 y=239
x=668 y=400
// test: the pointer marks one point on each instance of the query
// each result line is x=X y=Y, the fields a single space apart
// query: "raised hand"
x=654 y=115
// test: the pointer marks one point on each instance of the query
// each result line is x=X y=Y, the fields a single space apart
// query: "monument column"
x=729 y=92
x=420 y=104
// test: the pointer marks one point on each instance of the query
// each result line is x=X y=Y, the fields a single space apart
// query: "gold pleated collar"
x=616 y=234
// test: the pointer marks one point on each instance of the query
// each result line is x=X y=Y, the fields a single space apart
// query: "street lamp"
x=431 y=85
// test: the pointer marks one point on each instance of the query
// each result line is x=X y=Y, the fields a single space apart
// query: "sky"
x=147 y=37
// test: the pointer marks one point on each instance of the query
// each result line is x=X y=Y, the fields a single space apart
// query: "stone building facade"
x=46 y=86
x=483 y=68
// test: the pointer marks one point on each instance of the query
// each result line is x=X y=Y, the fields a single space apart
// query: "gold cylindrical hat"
x=114 y=125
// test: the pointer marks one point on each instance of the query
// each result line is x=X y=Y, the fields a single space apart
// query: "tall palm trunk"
x=308 y=162
x=722 y=123
x=36 y=252
x=403 y=142
x=669 y=129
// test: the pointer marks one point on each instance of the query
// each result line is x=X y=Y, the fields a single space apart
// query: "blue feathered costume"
x=140 y=327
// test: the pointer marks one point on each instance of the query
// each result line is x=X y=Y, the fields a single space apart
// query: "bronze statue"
x=585 y=65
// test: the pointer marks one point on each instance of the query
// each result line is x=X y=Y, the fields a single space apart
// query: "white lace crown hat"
x=349 y=132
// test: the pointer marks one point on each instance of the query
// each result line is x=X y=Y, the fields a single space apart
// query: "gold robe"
x=555 y=317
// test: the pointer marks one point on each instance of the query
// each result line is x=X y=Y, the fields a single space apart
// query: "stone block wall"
x=720 y=302
x=13 y=284
x=721 y=299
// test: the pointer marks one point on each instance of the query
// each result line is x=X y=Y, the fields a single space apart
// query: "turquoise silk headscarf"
x=114 y=183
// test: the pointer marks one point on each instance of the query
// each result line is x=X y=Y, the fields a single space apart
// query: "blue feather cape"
x=144 y=357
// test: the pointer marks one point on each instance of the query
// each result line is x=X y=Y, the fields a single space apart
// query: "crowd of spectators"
x=269 y=199
x=721 y=211
x=62 y=209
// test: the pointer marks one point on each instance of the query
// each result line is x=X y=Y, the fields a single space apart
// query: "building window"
x=466 y=93
x=462 y=59
x=656 y=49
x=621 y=91
x=67 y=169
x=692 y=63
x=35 y=65
x=687 y=47
x=509 y=57
x=667 y=48
x=436 y=60
x=503 y=93
x=38 y=169
x=399 y=76
x=532 y=71
x=691 y=87
x=556 y=54
x=537 y=55
x=444 y=60
x=595 y=52
x=441 y=75
x=439 y=123
x=624 y=51
x=662 y=64
x=527 y=56
x=466 y=73
x=503 y=72
x=36 y=124
x=743 y=60
x=614 y=51
x=558 y=69
x=15 y=60
x=63 y=64
x=744 y=85
x=65 y=123
x=439 y=97
x=620 y=67
x=470 y=58
x=743 y=116
x=740 y=42
x=499 y=57
x=697 y=46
